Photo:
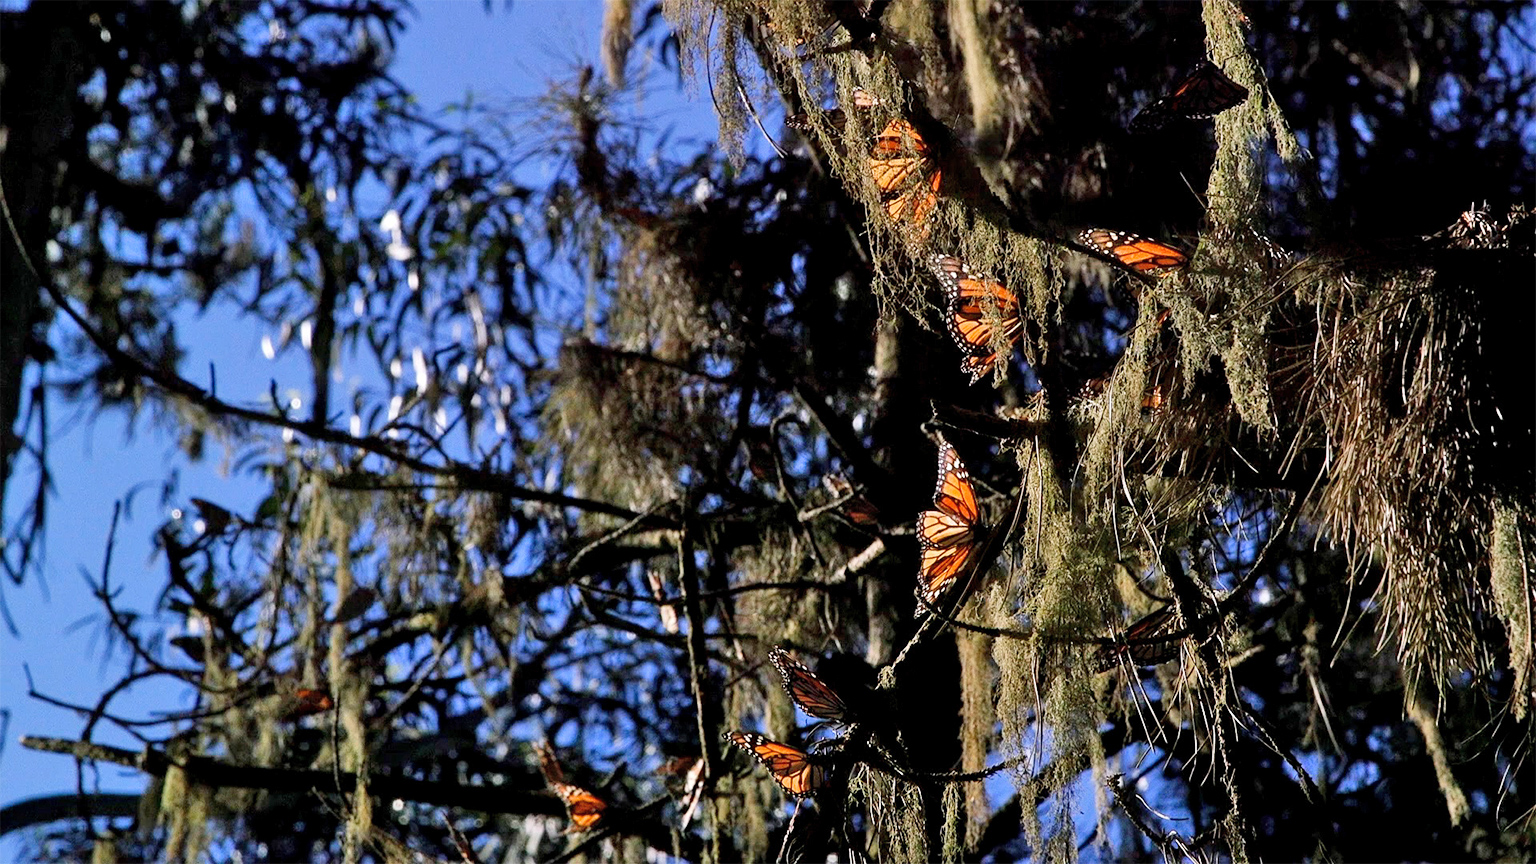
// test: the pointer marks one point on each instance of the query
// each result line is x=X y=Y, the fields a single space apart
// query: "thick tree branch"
x=206 y=771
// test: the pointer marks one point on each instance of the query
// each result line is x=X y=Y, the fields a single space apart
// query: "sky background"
x=502 y=56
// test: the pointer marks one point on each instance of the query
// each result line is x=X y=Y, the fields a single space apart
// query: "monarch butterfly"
x=854 y=506
x=968 y=317
x=1205 y=92
x=797 y=772
x=900 y=154
x=837 y=116
x=814 y=696
x=1152 y=399
x=1140 y=255
x=1147 y=642
x=948 y=534
x=582 y=807
x=309 y=702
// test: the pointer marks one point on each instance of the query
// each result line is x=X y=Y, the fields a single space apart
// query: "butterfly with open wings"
x=1150 y=640
x=1142 y=256
x=797 y=772
x=1205 y=92
x=903 y=167
x=950 y=534
x=976 y=311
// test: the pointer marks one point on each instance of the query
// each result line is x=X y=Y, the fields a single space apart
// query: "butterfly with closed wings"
x=854 y=507
x=814 y=696
x=582 y=807
x=977 y=309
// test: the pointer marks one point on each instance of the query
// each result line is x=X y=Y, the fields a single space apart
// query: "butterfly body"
x=950 y=533
x=797 y=772
x=972 y=303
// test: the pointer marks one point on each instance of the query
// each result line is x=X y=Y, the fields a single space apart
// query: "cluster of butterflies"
x=982 y=314
x=587 y=811
x=801 y=772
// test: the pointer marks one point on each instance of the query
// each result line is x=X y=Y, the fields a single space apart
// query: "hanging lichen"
x=1514 y=595
x=896 y=812
x=978 y=715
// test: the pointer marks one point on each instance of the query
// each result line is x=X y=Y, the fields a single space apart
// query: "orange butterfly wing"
x=812 y=694
x=948 y=533
x=1147 y=642
x=1205 y=92
x=1140 y=255
x=796 y=771
x=584 y=808
x=897 y=158
x=970 y=300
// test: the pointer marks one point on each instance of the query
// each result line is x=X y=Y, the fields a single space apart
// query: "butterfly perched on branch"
x=975 y=311
x=1205 y=92
x=854 y=507
x=904 y=170
x=813 y=695
x=1142 y=256
x=1152 y=639
x=837 y=117
x=797 y=772
x=582 y=807
x=950 y=534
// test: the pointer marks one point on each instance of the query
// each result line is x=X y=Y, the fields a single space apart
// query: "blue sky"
x=450 y=49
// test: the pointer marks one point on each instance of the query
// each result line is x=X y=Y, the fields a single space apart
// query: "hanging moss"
x=1513 y=554
x=978 y=715
x=896 y=813
x=954 y=817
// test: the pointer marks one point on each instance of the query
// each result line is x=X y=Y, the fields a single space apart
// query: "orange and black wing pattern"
x=855 y=507
x=307 y=701
x=1142 y=256
x=949 y=534
x=903 y=168
x=808 y=691
x=797 y=772
x=972 y=303
x=1205 y=92
x=836 y=116
x=1150 y=640
x=584 y=808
